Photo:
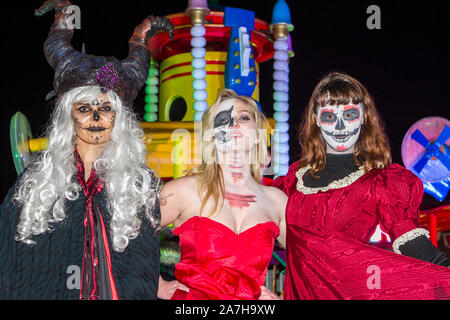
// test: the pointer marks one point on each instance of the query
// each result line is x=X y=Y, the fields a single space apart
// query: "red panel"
x=217 y=37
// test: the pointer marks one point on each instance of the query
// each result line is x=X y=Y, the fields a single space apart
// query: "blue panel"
x=240 y=70
x=235 y=17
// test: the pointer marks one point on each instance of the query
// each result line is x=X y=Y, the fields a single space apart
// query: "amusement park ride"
x=212 y=50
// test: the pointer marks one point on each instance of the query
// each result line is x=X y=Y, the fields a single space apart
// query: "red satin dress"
x=328 y=255
x=218 y=264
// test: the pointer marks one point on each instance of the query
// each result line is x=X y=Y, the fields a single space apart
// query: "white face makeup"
x=340 y=126
x=234 y=126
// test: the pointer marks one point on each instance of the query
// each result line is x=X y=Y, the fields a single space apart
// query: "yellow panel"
x=168 y=125
x=172 y=88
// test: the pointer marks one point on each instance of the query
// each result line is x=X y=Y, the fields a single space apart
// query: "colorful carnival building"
x=212 y=50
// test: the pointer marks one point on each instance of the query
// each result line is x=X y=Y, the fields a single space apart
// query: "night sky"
x=404 y=65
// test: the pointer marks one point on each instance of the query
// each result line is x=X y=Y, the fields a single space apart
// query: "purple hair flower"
x=107 y=77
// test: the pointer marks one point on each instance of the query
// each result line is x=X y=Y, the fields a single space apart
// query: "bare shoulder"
x=175 y=196
x=178 y=191
x=186 y=183
x=274 y=192
x=277 y=200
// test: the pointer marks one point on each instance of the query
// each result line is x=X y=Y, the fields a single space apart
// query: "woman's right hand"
x=166 y=289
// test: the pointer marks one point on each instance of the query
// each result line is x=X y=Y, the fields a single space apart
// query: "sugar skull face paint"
x=234 y=126
x=94 y=120
x=340 y=126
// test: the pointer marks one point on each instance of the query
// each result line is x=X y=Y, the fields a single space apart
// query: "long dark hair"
x=372 y=148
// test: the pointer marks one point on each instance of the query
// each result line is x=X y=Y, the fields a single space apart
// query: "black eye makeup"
x=84 y=108
x=327 y=117
x=105 y=108
x=223 y=118
x=351 y=114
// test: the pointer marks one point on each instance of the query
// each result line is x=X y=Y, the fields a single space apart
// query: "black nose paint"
x=340 y=124
x=96 y=116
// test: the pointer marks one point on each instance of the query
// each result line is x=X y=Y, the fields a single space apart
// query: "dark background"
x=404 y=65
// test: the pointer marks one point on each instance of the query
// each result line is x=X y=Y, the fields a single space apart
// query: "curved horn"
x=57 y=47
x=137 y=64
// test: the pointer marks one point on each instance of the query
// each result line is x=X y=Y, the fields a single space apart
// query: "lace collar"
x=336 y=184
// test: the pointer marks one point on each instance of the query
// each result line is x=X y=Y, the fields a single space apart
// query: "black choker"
x=337 y=167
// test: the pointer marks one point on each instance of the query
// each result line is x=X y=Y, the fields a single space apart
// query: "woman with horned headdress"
x=80 y=222
x=342 y=187
x=226 y=220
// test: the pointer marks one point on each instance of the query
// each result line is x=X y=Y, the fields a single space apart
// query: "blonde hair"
x=209 y=174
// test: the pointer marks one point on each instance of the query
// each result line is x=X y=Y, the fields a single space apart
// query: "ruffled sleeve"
x=398 y=194
x=287 y=183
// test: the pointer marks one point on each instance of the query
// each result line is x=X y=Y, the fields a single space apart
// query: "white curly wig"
x=131 y=188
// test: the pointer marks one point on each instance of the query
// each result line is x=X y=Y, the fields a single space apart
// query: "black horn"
x=75 y=69
x=57 y=47
x=137 y=64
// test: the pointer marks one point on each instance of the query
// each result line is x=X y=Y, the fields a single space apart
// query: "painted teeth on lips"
x=341 y=137
x=96 y=129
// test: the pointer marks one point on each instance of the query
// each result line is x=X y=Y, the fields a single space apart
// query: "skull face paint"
x=234 y=126
x=340 y=126
x=94 y=121
x=222 y=130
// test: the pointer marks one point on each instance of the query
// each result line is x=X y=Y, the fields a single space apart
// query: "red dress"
x=328 y=256
x=216 y=263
